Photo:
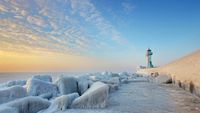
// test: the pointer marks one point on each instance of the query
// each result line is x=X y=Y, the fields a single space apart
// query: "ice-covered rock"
x=46 y=95
x=13 y=83
x=124 y=81
x=83 y=85
x=66 y=85
x=113 y=87
x=29 y=104
x=114 y=80
x=61 y=103
x=46 y=78
x=16 y=82
x=36 y=87
x=106 y=77
x=11 y=93
x=163 y=79
x=124 y=75
x=5 y=109
x=95 y=97
x=114 y=74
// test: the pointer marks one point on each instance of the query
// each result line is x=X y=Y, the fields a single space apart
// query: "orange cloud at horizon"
x=14 y=62
x=52 y=62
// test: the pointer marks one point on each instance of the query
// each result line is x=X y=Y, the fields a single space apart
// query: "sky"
x=95 y=35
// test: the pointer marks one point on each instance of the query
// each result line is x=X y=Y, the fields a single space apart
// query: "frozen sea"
x=4 y=77
x=138 y=96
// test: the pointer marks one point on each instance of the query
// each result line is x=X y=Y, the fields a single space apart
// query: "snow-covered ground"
x=145 y=97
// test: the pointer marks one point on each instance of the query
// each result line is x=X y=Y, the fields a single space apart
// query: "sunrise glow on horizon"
x=98 y=35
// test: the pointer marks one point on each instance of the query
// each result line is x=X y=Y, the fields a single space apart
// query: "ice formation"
x=11 y=93
x=46 y=78
x=83 y=85
x=5 y=109
x=13 y=83
x=61 y=103
x=36 y=87
x=28 y=104
x=66 y=85
x=40 y=95
x=95 y=97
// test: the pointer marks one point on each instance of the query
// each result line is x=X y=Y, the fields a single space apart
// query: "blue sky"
x=170 y=27
x=114 y=33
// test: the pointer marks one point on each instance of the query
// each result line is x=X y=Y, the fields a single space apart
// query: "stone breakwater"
x=41 y=94
x=184 y=73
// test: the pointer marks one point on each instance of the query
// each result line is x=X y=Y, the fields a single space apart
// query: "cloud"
x=3 y=8
x=17 y=38
x=63 y=27
x=127 y=7
x=89 y=12
x=36 y=20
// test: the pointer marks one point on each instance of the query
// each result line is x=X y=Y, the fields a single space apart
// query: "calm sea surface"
x=4 y=77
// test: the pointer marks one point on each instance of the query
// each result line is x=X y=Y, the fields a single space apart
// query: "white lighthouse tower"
x=149 y=60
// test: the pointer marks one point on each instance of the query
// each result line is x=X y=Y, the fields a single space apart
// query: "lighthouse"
x=149 y=60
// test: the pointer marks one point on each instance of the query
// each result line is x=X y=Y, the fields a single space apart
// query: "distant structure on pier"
x=149 y=60
x=149 y=54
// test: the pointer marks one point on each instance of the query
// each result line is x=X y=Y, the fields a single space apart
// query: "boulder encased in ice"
x=61 y=103
x=95 y=97
x=13 y=83
x=83 y=85
x=5 y=109
x=46 y=78
x=29 y=104
x=12 y=93
x=36 y=87
x=113 y=87
x=66 y=85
